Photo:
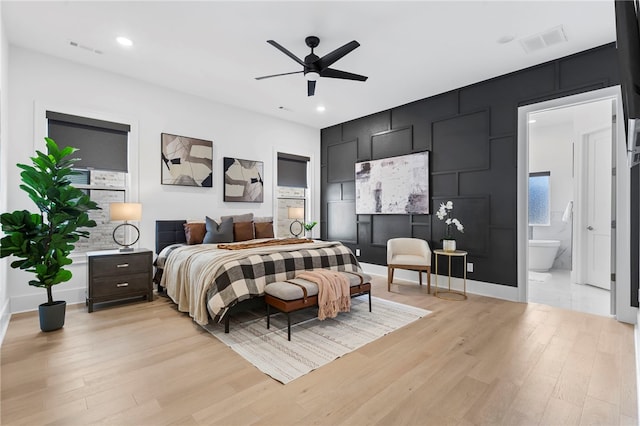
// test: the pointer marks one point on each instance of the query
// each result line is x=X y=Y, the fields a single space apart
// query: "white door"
x=597 y=231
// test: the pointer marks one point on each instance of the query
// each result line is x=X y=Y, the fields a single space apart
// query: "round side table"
x=449 y=294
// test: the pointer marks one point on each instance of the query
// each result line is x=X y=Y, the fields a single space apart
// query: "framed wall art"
x=243 y=180
x=395 y=185
x=186 y=161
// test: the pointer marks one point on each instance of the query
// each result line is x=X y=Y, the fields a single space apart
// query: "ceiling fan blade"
x=278 y=75
x=311 y=87
x=286 y=52
x=328 y=59
x=333 y=73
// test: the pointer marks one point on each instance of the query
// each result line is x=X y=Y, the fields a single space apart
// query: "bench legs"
x=288 y=321
x=289 y=316
x=268 y=316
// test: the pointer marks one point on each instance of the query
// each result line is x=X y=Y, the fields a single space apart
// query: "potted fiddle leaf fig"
x=43 y=241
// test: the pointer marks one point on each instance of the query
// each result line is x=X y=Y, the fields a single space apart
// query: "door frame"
x=624 y=311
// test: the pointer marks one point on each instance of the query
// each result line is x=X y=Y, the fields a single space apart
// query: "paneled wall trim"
x=471 y=133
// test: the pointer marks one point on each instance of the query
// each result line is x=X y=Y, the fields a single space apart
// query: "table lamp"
x=126 y=212
x=296 y=213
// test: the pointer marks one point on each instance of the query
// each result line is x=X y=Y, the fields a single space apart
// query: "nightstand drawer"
x=120 y=265
x=124 y=285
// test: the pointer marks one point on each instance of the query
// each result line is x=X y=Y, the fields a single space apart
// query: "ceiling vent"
x=545 y=39
x=84 y=47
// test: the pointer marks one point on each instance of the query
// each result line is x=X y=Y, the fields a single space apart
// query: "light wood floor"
x=482 y=361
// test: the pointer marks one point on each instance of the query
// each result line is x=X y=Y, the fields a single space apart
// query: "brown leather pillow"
x=263 y=229
x=194 y=232
x=242 y=231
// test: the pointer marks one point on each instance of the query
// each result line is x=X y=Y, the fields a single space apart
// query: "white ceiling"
x=409 y=50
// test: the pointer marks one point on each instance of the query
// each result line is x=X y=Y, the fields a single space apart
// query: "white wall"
x=4 y=100
x=550 y=150
x=38 y=80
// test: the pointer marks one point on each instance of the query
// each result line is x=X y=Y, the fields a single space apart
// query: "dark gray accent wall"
x=471 y=133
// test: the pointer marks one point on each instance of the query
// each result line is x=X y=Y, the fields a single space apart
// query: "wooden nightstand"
x=115 y=275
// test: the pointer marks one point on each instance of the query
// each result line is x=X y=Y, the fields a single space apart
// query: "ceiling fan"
x=315 y=67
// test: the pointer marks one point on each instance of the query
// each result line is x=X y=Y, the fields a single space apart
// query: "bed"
x=212 y=284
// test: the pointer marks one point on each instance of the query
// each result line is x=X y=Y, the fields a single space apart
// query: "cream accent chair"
x=408 y=253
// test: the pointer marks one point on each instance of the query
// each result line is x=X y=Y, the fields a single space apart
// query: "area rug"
x=313 y=343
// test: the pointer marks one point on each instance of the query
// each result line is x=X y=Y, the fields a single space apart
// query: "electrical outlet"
x=469 y=267
x=357 y=252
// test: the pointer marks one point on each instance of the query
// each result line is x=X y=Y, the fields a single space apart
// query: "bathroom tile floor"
x=554 y=288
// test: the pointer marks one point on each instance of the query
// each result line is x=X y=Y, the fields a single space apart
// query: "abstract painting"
x=395 y=185
x=243 y=180
x=186 y=161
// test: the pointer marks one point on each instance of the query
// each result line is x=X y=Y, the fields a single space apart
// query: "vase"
x=52 y=316
x=449 y=245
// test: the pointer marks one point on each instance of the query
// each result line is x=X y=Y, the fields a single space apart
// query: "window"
x=102 y=166
x=291 y=190
x=287 y=198
x=103 y=187
x=539 y=199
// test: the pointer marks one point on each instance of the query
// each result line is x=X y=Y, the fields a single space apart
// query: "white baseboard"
x=5 y=317
x=474 y=287
x=636 y=329
x=30 y=302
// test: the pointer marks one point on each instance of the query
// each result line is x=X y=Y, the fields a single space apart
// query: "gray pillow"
x=247 y=217
x=218 y=233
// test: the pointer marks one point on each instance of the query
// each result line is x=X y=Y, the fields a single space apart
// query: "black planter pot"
x=52 y=316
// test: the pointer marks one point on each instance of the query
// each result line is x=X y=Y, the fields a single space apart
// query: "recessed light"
x=124 y=41
x=320 y=108
x=533 y=120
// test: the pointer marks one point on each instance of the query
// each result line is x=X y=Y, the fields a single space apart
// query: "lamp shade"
x=296 y=213
x=125 y=211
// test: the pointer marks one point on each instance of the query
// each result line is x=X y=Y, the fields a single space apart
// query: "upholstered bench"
x=295 y=294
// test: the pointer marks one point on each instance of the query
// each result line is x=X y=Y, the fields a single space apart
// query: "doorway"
x=582 y=196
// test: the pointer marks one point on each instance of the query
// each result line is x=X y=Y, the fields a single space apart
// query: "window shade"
x=292 y=170
x=101 y=144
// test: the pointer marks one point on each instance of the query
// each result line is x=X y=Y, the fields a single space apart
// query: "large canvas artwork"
x=395 y=185
x=186 y=161
x=243 y=180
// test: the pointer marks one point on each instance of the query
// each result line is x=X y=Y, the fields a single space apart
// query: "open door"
x=596 y=201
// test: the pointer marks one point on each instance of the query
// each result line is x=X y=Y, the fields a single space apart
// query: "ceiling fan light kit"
x=314 y=67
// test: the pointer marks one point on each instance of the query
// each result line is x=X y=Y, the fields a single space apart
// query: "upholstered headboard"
x=169 y=232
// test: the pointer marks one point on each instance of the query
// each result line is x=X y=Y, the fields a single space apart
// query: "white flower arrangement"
x=444 y=213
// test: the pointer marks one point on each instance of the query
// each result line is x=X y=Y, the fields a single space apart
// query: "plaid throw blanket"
x=203 y=279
